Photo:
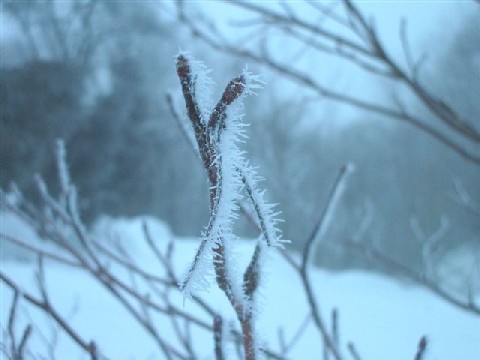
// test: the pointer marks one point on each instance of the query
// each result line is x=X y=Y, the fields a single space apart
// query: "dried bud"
x=233 y=90
x=92 y=349
x=422 y=344
x=183 y=67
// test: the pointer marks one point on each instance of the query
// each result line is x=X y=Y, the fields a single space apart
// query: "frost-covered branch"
x=218 y=333
x=228 y=174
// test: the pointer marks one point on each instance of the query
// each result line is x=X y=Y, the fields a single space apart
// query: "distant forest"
x=96 y=74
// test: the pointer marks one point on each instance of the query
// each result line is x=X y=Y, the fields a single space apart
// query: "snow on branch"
x=63 y=173
x=229 y=176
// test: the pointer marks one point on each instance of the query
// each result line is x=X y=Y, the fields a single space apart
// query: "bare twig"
x=422 y=347
x=38 y=251
x=47 y=308
x=334 y=328
x=429 y=243
x=368 y=46
x=468 y=305
x=308 y=253
x=353 y=351
x=463 y=198
x=218 y=337
x=16 y=351
x=298 y=334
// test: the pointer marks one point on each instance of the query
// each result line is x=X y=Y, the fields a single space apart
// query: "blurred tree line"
x=95 y=73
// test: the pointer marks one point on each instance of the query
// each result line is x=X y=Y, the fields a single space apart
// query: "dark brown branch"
x=251 y=277
x=208 y=138
x=184 y=73
x=218 y=337
x=48 y=309
x=233 y=90
x=422 y=347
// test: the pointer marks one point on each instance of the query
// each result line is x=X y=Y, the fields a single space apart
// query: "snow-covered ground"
x=383 y=317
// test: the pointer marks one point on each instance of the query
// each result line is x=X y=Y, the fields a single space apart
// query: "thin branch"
x=468 y=306
x=320 y=226
x=38 y=251
x=298 y=22
x=48 y=309
x=183 y=129
x=184 y=337
x=298 y=334
x=374 y=50
x=413 y=67
x=218 y=337
x=437 y=107
x=334 y=327
x=23 y=341
x=308 y=253
x=353 y=351
x=184 y=73
x=107 y=281
x=11 y=321
x=131 y=266
x=422 y=347
x=463 y=198
x=90 y=347
x=329 y=12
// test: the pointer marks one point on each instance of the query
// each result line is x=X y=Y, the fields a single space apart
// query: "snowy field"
x=383 y=317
